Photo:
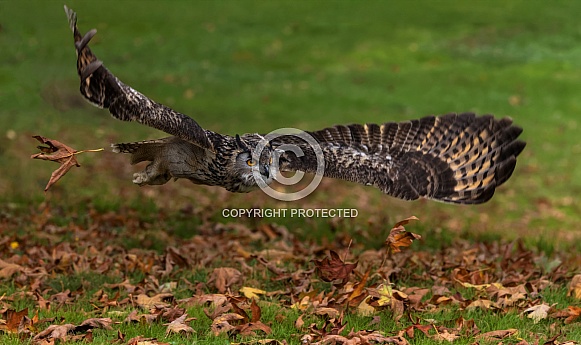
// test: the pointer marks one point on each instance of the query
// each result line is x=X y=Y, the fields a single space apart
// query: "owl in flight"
x=455 y=158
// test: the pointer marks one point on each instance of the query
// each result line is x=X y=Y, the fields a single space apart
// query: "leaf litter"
x=316 y=287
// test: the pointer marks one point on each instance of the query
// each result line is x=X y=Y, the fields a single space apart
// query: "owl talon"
x=140 y=178
x=151 y=176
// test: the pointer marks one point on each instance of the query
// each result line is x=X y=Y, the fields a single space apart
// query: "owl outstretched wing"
x=104 y=90
x=452 y=158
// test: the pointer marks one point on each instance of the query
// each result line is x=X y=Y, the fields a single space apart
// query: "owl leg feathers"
x=156 y=172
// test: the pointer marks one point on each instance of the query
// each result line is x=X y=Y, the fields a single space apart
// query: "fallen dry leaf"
x=60 y=153
x=575 y=287
x=144 y=341
x=497 y=335
x=241 y=312
x=179 y=326
x=333 y=268
x=215 y=299
x=249 y=329
x=481 y=303
x=101 y=322
x=409 y=331
x=224 y=277
x=445 y=335
x=574 y=314
x=299 y=323
x=146 y=302
x=537 y=312
x=361 y=338
x=221 y=324
x=332 y=313
x=256 y=311
x=466 y=327
x=7 y=269
x=384 y=295
x=16 y=321
x=261 y=342
x=364 y=309
x=55 y=332
x=251 y=293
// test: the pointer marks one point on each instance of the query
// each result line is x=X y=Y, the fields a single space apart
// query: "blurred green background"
x=254 y=66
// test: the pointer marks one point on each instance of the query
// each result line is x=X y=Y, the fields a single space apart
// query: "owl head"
x=253 y=158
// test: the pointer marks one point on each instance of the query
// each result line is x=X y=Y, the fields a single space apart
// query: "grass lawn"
x=255 y=66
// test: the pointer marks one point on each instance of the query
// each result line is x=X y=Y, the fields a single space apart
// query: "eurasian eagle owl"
x=457 y=158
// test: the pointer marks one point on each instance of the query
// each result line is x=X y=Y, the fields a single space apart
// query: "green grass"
x=254 y=66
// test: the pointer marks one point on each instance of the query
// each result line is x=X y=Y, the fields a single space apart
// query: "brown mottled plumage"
x=452 y=158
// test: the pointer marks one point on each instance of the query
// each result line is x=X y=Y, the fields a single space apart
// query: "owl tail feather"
x=141 y=151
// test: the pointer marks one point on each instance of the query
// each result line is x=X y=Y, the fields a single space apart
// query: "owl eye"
x=251 y=162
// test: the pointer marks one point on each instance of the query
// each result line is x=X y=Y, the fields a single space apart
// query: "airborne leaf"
x=60 y=153
x=400 y=237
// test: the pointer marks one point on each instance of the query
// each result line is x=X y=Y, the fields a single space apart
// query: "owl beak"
x=265 y=171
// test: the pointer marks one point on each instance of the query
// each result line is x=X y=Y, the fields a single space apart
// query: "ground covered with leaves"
x=96 y=259
x=88 y=278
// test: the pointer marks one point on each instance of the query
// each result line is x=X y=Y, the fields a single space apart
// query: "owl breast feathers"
x=455 y=158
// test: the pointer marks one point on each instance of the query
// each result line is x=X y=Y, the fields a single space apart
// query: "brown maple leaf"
x=16 y=321
x=400 y=237
x=60 y=153
x=333 y=268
